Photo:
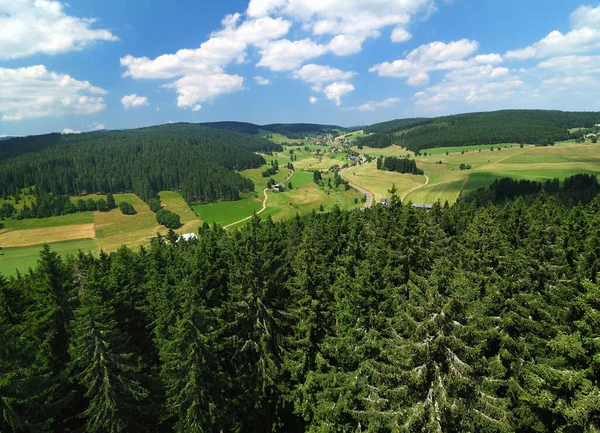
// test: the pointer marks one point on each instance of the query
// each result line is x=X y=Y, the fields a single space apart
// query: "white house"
x=188 y=236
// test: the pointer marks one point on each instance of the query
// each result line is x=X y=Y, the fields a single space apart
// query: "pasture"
x=447 y=181
x=21 y=259
x=227 y=212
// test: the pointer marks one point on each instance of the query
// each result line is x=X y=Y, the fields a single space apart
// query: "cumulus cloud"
x=35 y=92
x=131 y=101
x=312 y=100
x=401 y=35
x=96 y=127
x=355 y=18
x=41 y=26
x=261 y=81
x=285 y=55
x=374 y=105
x=434 y=56
x=197 y=69
x=70 y=131
x=317 y=74
x=335 y=91
x=583 y=38
x=193 y=89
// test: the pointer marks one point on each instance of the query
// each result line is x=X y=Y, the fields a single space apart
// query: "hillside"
x=198 y=161
x=289 y=130
x=508 y=126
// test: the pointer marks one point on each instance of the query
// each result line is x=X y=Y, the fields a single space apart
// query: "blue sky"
x=91 y=64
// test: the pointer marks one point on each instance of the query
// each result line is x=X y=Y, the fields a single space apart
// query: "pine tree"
x=103 y=364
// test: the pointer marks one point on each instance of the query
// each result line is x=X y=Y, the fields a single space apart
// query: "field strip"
x=500 y=160
x=264 y=204
x=32 y=237
x=416 y=189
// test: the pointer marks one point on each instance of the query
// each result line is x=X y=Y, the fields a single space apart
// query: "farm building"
x=384 y=202
x=279 y=187
x=423 y=206
x=188 y=236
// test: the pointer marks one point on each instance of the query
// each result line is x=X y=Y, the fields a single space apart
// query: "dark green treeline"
x=476 y=318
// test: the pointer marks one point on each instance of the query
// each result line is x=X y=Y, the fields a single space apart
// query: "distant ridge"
x=290 y=130
x=5 y=138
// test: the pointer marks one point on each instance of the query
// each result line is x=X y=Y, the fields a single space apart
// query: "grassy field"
x=65 y=220
x=228 y=212
x=469 y=149
x=378 y=182
x=447 y=181
x=21 y=259
x=175 y=203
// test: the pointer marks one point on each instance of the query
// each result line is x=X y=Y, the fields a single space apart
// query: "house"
x=423 y=206
x=279 y=187
x=384 y=202
x=188 y=236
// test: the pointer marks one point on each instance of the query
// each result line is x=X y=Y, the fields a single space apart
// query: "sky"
x=88 y=65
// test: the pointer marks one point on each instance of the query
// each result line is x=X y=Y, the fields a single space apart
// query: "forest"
x=483 y=316
x=400 y=165
x=200 y=162
x=540 y=127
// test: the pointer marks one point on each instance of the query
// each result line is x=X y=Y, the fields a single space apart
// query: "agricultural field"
x=447 y=181
x=22 y=258
x=378 y=182
x=90 y=231
x=227 y=212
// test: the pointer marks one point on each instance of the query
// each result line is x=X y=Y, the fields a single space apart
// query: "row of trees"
x=476 y=317
x=49 y=205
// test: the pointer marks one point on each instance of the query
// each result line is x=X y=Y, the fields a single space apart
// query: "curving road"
x=369 y=196
x=264 y=204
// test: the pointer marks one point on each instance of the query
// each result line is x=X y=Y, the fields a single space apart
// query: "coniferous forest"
x=200 y=162
x=480 y=317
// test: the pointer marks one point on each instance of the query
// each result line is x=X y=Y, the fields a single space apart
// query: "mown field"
x=447 y=181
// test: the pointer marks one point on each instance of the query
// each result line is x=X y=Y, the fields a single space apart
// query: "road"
x=369 y=196
x=264 y=204
x=416 y=189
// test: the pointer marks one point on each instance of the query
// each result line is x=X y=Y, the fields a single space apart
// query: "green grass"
x=21 y=259
x=227 y=212
x=469 y=149
x=301 y=178
x=64 y=220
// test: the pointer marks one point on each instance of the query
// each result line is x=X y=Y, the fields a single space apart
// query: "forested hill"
x=290 y=130
x=200 y=162
x=480 y=317
x=508 y=126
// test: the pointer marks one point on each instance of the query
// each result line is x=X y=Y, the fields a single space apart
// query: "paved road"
x=369 y=196
x=264 y=204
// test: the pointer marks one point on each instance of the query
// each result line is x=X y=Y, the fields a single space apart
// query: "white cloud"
x=312 y=100
x=96 y=127
x=583 y=38
x=261 y=81
x=224 y=47
x=374 y=105
x=434 y=56
x=360 y=18
x=70 y=131
x=201 y=88
x=488 y=58
x=345 y=45
x=585 y=16
x=285 y=55
x=335 y=91
x=41 y=26
x=572 y=65
x=34 y=92
x=317 y=74
x=198 y=68
x=131 y=101
x=197 y=107
x=401 y=35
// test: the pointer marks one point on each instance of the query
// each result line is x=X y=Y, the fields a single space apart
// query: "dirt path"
x=264 y=204
x=416 y=189
x=367 y=193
